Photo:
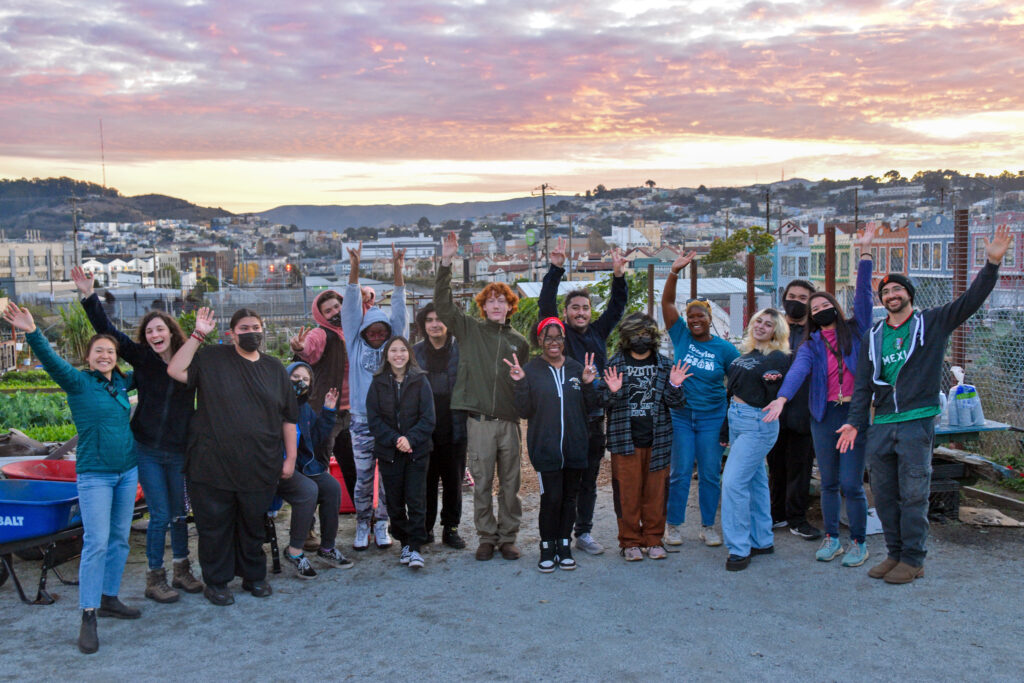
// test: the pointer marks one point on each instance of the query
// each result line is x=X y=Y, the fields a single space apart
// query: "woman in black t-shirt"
x=245 y=417
x=754 y=381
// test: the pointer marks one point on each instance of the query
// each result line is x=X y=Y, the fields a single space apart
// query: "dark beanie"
x=898 y=279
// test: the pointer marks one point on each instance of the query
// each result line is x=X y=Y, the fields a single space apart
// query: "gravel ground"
x=786 y=617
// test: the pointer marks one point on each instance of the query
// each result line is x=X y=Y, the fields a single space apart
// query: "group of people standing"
x=235 y=428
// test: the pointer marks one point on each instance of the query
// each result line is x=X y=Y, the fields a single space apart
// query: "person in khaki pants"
x=484 y=390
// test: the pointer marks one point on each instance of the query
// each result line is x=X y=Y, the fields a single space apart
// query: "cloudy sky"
x=251 y=104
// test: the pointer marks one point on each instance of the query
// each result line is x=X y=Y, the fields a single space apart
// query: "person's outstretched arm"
x=668 y=295
x=182 y=360
x=447 y=311
x=617 y=300
x=68 y=378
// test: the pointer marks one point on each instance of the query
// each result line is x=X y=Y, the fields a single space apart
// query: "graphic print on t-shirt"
x=699 y=358
x=639 y=381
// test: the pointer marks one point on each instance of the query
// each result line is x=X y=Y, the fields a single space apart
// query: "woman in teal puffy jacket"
x=105 y=465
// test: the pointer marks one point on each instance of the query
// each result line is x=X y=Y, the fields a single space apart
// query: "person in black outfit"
x=438 y=355
x=400 y=413
x=245 y=417
x=555 y=394
x=791 y=460
x=582 y=337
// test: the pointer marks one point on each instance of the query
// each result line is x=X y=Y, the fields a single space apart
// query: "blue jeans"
x=746 y=498
x=163 y=484
x=695 y=435
x=107 y=502
x=840 y=473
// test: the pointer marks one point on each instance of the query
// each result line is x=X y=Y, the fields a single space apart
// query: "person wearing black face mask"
x=792 y=458
x=246 y=415
x=829 y=358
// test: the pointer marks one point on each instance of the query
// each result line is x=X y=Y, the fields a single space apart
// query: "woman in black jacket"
x=555 y=394
x=400 y=414
x=160 y=428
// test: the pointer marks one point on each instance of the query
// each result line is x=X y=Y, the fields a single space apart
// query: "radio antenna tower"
x=103 y=157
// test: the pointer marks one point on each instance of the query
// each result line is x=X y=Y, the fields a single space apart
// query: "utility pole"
x=74 y=225
x=544 y=212
x=727 y=224
x=569 y=255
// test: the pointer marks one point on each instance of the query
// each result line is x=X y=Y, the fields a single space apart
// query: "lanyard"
x=839 y=362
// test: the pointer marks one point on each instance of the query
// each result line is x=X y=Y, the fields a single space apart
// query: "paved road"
x=786 y=617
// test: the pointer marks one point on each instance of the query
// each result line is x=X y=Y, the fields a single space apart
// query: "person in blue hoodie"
x=366 y=333
x=898 y=371
x=105 y=465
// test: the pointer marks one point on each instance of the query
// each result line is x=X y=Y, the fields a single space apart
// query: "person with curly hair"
x=484 y=390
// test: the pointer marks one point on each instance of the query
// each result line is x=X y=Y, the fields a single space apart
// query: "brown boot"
x=312 y=543
x=184 y=579
x=157 y=588
x=904 y=573
x=485 y=551
x=509 y=551
x=882 y=568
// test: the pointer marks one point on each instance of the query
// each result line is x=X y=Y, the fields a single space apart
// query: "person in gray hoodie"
x=366 y=334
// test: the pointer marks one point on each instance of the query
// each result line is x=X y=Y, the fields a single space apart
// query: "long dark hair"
x=843 y=334
x=177 y=336
x=385 y=366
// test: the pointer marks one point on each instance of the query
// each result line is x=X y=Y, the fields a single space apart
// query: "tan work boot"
x=312 y=541
x=882 y=568
x=184 y=579
x=157 y=588
x=904 y=573
x=485 y=551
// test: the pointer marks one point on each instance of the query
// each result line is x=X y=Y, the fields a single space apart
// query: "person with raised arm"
x=582 y=336
x=105 y=466
x=555 y=394
x=899 y=370
x=642 y=386
x=483 y=389
x=245 y=418
x=160 y=428
x=826 y=363
x=697 y=424
x=367 y=328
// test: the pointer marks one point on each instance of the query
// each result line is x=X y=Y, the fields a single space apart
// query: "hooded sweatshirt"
x=363 y=360
x=325 y=351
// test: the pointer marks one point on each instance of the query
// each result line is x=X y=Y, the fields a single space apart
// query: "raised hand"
x=204 y=321
x=449 y=248
x=997 y=246
x=682 y=261
x=369 y=296
x=19 y=318
x=613 y=379
x=774 y=409
x=557 y=255
x=83 y=281
x=589 y=369
x=868 y=237
x=355 y=256
x=618 y=262
x=847 y=435
x=398 y=256
x=679 y=373
x=298 y=342
x=403 y=445
x=515 y=372
x=331 y=398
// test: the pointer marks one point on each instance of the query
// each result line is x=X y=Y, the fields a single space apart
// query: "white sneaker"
x=673 y=536
x=406 y=554
x=381 y=537
x=710 y=536
x=587 y=544
x=362 y=541
x=415 y=560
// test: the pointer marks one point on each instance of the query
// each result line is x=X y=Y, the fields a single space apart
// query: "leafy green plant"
x=27 y=379
x=23 y=410
x=76 y=333
x=61 y=432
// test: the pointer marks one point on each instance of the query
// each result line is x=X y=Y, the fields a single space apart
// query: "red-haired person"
x=483 y=389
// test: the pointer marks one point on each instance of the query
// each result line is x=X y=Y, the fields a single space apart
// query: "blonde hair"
x=780 y=333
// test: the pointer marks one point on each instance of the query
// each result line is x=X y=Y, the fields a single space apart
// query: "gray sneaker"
x=381 y=537
x=406 y=555
x=587 y=544
x=415 y=560
x=362 y=541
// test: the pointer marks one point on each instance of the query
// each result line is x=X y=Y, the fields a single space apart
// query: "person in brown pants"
x=640 y=387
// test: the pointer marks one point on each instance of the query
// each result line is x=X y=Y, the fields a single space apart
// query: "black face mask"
x=335 y=320
x=795 y=309
x=641 y=344
x=300 y=387
x=250 y=341
x=826 y=317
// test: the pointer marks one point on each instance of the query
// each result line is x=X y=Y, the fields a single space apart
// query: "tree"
x=423 y=224
x=650 y=184
x=721 y=257
x=893 y=177
x=600 y=190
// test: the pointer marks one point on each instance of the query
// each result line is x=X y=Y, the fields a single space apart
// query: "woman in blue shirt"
x=696 y=426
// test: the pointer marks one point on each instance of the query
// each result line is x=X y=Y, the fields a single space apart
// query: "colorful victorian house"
x=930 y=267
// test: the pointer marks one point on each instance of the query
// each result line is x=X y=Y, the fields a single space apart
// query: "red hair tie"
x=550 y=321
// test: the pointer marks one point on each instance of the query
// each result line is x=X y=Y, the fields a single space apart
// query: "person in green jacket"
x=484 y=390
x=105 y=466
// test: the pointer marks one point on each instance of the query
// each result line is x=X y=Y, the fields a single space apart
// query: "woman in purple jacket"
x=829 y=356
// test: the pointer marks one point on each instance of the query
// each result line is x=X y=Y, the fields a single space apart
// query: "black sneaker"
x=768 y=550
x=736 y=563
x=450 y=537
x=548 y=560
x=303 y=569
x=335 y=556
x=219 y=595
x=259 y=589
x=805 y=530
x=564 y=555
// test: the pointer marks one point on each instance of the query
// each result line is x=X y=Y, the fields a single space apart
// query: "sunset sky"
x=249 y=105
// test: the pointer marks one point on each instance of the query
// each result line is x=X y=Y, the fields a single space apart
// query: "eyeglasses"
x=893 y=289
x=696 y=300
x=554 y=340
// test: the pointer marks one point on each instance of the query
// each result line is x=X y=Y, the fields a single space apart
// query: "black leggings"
x=558 y=492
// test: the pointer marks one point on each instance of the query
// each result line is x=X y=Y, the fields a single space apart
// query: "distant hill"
x=334 y=217
x=42 y=204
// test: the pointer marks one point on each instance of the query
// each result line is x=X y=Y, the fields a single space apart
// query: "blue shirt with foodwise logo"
x=708 y=361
